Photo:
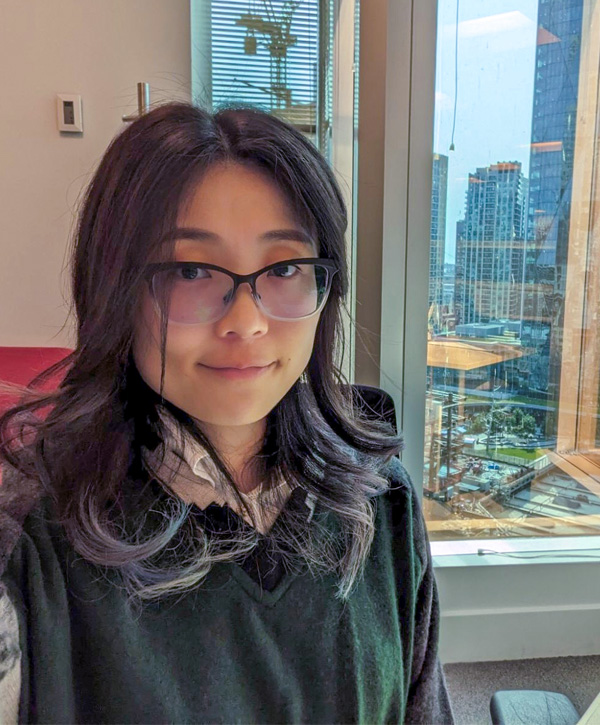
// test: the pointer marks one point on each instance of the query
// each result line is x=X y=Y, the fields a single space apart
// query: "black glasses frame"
x=239 y=279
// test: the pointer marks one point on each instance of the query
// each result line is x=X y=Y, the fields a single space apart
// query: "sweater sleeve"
x=10 y=660
x=18 y=496
x=428 y=701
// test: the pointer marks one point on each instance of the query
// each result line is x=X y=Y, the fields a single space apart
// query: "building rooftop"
x=464 y=355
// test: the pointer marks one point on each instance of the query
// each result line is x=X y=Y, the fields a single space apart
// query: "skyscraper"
x=439 y=193
x=490 y=246
x=551 y=171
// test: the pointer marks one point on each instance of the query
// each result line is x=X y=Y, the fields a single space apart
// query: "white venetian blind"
x=240 y=76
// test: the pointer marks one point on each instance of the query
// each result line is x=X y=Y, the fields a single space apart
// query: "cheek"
x=298 y=341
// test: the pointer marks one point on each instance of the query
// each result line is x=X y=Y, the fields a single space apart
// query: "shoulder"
x=397 y=474
x=19 y=496
x=401 y=490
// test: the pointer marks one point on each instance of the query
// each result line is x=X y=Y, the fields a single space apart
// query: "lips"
x=241 y=366
x=239 y=373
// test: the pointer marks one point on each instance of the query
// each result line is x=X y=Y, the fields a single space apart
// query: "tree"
x=528 y=425
x=497 y=422
x=515 y=422
x=478 y=424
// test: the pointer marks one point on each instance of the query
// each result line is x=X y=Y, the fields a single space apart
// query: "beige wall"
x=99 y=49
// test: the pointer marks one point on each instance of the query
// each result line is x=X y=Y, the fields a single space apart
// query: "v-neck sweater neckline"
x=263 y=574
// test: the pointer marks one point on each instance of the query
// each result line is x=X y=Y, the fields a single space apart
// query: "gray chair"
x=534 y=707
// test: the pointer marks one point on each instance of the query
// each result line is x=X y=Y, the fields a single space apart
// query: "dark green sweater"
x=230 y=651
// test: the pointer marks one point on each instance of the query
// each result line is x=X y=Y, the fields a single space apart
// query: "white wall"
x=99 y=49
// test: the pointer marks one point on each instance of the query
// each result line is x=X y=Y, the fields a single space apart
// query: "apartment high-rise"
x=439 y=194
x=551 y=172
x=490 y=246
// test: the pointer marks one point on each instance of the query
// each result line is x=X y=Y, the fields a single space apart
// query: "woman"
x=202 y=527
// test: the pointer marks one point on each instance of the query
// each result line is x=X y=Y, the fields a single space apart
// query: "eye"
x=191 y=273
x=275 y=272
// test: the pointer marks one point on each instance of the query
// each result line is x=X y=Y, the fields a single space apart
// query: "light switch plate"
x=69 y=116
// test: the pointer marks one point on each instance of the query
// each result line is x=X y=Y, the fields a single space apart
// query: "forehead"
x=235 y=205
x=232 y=193
x=208 y=239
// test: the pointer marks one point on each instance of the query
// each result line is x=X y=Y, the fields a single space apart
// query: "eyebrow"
x=275 y=235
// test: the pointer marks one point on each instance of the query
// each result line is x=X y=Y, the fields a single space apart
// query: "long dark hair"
x=87 y=449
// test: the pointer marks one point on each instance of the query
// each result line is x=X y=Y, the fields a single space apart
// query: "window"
x=512 y=442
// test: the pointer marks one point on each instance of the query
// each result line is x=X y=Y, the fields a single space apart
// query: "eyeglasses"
x=192 y=293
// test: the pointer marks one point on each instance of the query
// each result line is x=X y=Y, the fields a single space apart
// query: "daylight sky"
x=496 y=60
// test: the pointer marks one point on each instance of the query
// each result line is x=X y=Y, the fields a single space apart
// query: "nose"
x=244 y=314
x=248 y=293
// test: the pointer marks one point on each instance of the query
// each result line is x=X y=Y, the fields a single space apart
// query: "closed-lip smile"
x=236 y=367
x=238 y=373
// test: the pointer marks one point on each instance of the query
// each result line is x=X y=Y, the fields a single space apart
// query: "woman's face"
x=238 y=205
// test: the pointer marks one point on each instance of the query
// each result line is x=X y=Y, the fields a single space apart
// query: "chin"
x=229 y=410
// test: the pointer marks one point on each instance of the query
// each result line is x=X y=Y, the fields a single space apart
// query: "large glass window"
x=511 y=427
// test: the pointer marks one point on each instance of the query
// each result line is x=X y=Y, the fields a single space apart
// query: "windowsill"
x=541 y=550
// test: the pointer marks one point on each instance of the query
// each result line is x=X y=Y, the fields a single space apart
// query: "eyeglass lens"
x=194 y=294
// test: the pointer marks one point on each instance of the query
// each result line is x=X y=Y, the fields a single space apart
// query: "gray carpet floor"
x=472 y=684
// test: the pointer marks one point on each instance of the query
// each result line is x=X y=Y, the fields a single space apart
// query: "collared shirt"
x=197 y=480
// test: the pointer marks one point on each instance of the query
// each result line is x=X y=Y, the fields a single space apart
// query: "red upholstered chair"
x=21 y=364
